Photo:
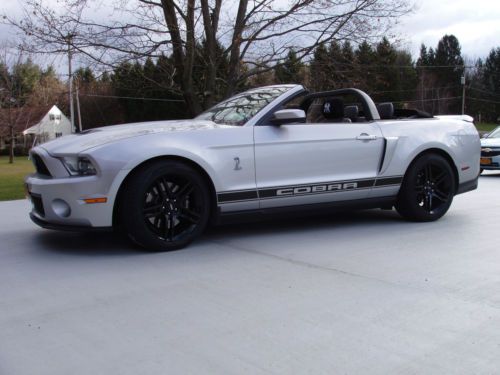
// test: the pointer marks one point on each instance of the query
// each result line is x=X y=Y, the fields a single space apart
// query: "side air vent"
x=40 y=166
x=37 y=204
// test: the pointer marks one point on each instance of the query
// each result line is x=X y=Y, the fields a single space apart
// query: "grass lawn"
x=485 y=127
x=12 y=176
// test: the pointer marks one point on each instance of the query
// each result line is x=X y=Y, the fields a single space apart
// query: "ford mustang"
x=272 y=149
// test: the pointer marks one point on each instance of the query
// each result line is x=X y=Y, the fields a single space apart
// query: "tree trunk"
x=183 y=61
x=234 y=59
x=210 y=22
x=12 y=143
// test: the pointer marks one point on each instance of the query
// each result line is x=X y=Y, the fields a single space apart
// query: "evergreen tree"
x=25 y=76
x=335 y=66
x=491 y=71
x=291 y=69
x=449 y=56
x=320 y=68
x=423 y=59
x=491 y=82
x=365 y=73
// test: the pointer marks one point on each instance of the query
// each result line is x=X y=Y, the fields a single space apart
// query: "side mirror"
x=288 y=116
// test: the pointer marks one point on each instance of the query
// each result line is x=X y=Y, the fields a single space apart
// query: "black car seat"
x=333 y=110
x=351 y=112
x=386 y=111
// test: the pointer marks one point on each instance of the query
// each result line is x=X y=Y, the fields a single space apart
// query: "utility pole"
x=70 y=84
x=78 y=109
x=462 y=81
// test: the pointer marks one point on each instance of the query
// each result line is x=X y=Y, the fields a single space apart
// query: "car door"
x=300 y=164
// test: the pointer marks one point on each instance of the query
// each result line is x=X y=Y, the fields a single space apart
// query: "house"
x=53 y=125
x=32 y=125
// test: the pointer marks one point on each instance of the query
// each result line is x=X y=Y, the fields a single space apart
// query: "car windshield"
x=495 y=133
x=240 y=108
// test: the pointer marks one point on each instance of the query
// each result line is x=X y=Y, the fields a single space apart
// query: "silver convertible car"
x=269 y=150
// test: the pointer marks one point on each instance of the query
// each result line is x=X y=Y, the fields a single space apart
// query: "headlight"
x=79 y=166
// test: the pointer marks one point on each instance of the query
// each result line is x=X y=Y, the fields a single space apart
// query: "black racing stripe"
x=311 y=189
x=237 y=196
x=388 y=181
x=322 y=188
x=314 y=193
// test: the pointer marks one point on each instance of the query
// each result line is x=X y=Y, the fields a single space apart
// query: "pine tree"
x=320 y=69
x=290 y=70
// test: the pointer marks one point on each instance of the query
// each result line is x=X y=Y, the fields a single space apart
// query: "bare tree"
x=255 y=34
x=10 y=112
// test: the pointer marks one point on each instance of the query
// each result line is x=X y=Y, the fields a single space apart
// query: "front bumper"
x=492 y=158
x=66 y=227
x=59 y=202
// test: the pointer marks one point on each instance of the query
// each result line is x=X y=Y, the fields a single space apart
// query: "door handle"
x=366 y=137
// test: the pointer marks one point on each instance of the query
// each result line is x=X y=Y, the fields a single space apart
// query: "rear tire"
x=427 y=190
x=165 y=206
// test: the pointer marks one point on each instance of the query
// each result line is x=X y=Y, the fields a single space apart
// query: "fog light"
x=61 y=208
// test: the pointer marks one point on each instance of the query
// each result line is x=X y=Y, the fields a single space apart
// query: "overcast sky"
x=476 y=24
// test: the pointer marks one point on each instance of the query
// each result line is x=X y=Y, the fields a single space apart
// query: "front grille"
x=37 y=204
x=40 y=166
x=491 y=152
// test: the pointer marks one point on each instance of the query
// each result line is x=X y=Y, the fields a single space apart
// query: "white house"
x=53 y=125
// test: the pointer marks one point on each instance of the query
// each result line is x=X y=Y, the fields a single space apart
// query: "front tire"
x=427 y=190
x=165 y=206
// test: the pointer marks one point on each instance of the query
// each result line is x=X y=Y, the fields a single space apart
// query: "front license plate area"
x=485 y=161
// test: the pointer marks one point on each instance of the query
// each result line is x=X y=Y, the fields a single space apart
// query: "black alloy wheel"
x=165 y=206
x=171 y=207
x=427 y=190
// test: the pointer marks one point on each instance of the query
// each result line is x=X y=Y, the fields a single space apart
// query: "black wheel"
x=165 y=206
x=427 y=190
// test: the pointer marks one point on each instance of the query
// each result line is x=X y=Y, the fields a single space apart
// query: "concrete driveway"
x=358 y=293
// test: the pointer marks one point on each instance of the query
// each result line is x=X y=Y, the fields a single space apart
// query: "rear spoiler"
x=465 y=118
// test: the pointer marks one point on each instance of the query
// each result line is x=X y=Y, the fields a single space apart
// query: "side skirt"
x=467 y=186
x=303 y=210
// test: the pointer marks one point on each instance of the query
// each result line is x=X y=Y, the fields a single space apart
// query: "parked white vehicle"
x=490 y=150
x=267 y=150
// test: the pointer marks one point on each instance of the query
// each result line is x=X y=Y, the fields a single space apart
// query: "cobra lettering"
x=316 y=189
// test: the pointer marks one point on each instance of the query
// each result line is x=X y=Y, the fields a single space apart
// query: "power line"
x=428 y=100
x=483 y=91
x=135 y=98
x=484 y=100
x=416 y=90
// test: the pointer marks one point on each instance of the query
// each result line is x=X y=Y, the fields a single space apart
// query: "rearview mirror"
x=288 y=116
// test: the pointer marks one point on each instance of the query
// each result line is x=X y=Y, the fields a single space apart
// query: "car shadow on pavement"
x=115 y=244
x=305 y=223
x=87 y=244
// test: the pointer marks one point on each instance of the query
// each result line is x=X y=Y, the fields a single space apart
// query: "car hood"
x=76 y=143
x=490 y=142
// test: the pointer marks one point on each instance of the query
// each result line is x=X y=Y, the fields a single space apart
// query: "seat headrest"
x=333 y=108
x=351 y=112
x=386 y=111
